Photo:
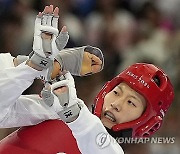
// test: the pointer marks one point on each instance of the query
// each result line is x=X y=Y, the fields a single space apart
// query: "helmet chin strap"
x=122 y=133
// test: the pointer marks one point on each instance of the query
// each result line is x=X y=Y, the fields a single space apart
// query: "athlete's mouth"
x=109 y=116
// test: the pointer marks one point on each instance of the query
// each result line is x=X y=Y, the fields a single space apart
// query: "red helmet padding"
x=140 y=77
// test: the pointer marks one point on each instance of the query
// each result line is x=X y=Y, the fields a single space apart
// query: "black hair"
x=157 y=80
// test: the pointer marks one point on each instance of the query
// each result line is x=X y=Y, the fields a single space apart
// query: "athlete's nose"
x=117 y=105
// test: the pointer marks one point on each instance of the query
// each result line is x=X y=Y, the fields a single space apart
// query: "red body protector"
x=49 y=137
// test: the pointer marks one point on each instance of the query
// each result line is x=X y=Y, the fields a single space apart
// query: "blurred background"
x=127 y=31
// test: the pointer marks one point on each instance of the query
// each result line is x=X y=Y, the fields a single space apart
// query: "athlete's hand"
x=45 y=33
x=65 y=92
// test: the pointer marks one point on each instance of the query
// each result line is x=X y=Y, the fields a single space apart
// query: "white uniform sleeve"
x=91 y=135
x=18 y=110
x=29 y=110
x=13 y=81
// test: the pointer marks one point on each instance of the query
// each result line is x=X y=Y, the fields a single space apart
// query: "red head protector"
x=151 y=82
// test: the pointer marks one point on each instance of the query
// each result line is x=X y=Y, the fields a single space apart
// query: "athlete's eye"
x=115 y=93
x=131 y=103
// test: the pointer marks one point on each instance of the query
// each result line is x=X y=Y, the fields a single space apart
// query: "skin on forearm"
x=56 y=70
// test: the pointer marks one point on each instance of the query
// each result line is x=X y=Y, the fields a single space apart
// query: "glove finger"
x=49 y=20
x=62 y=40
x=44 y=19
x=55 y=21
x=55 y=17
x=56 y=12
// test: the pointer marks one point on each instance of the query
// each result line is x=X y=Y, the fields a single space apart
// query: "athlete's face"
x=122 y=104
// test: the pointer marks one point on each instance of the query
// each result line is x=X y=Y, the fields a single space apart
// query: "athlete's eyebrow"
x=131 y=95
x=120 y=88
x=135 y=98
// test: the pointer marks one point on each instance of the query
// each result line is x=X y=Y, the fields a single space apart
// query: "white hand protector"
x=67 y=99
x=42 y=54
